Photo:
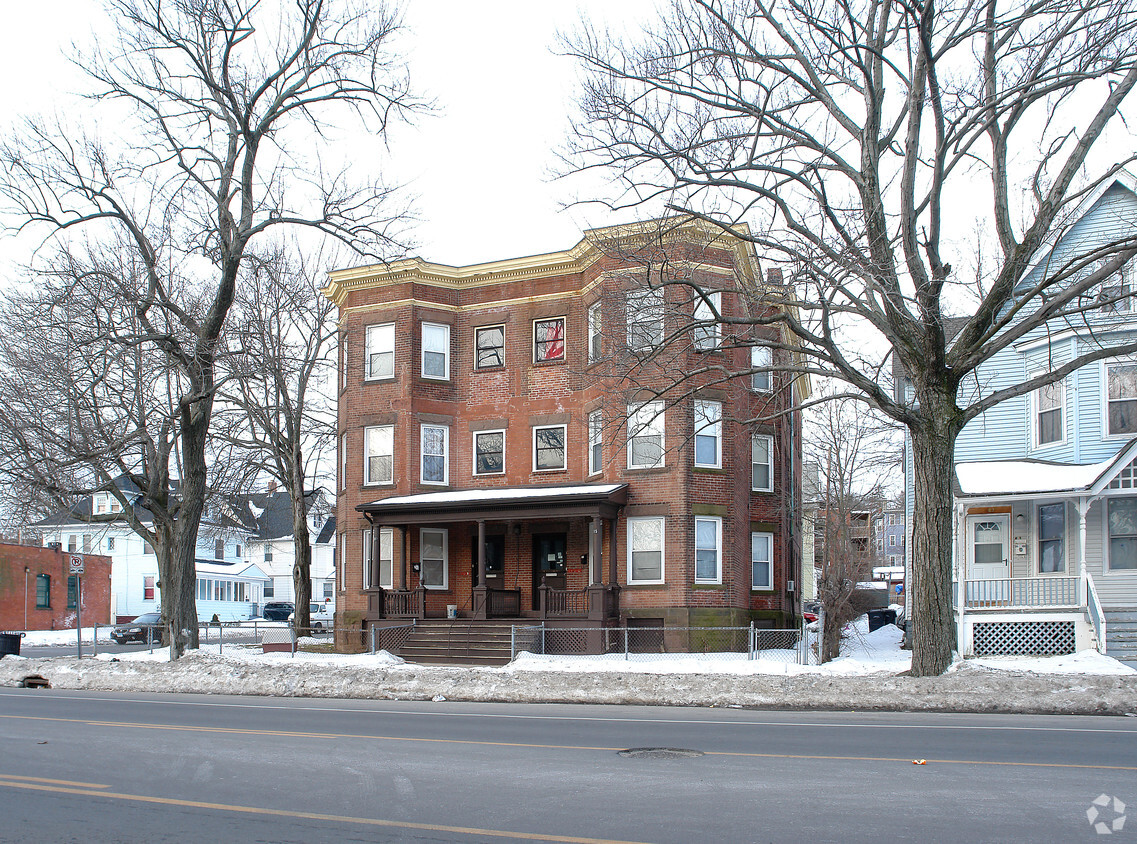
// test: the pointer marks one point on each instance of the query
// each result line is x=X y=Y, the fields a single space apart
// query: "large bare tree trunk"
x=302 y=565
x=183 y=560
x=933 y=453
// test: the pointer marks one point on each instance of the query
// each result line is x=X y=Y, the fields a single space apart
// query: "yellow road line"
x=535 y=746
x=53 y=782
x=318 y=816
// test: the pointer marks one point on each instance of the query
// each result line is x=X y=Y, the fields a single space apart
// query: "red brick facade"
x=34 y=592
x=525 y=393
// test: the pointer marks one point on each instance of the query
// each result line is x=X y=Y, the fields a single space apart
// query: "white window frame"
x=1036 y=412
x=646 y=420
x=761 y=357
x=386 y=558
x=708 y=425
x=706 y=338
x=343 y=363
x=477 y=348
x=595 y=341
x=476 y=435
x=365 y=573
x=632 y=580
x=564 y=339
x=343 y=461
x=1105 y=400
x=373 y=437
x=717 y=549
x=645 y=310
x=564 y=448
x=1107 y=538
x=445 y=454
x=768 y=586
x=379 y=343
x=445 y=558
x=1063 y=540
x=1118 y=285
x=440 y=336
x=770 y=464
x=595 y=442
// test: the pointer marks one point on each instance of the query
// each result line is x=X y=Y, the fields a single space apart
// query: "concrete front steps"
x=458 y=642
x=1121 y=635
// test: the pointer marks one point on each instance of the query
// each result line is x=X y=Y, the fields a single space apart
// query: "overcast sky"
x=481 y=167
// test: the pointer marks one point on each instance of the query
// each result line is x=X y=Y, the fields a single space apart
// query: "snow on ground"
x=868 y=676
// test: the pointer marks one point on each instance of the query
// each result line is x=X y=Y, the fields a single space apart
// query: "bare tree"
x=852 y=139
x=225 y=99
x=283 y=386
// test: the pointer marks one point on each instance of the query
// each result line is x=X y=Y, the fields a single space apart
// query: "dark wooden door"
x=495 y=561
x=548 y=563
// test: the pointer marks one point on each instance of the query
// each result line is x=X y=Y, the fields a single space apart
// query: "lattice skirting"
x=1023 y=638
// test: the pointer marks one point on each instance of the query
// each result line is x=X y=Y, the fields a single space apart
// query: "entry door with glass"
x=548 y=563
x=988 y=558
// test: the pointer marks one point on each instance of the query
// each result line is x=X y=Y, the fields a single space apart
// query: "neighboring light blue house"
x=1046 y=498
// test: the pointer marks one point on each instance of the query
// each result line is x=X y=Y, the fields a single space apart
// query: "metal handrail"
x=1094 y=610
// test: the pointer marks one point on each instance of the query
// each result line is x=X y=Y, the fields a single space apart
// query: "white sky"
x=481 y=168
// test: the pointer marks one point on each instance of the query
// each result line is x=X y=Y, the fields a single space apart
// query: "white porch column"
x=1083 y=505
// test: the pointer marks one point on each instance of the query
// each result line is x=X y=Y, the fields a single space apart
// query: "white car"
x=321 y=615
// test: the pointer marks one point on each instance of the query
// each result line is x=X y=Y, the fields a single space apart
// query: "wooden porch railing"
x=594 y=602
x=503 y=603
x=1021 y=593
x=407 y=603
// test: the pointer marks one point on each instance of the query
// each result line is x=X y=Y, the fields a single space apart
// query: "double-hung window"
x=219 y=549
x=708 y=549
x=435 y=449
x=1052 y=537
x=1121 y=523
x=489 y=452
x=645 y=435
x=436 y=351
x=343 y=363
x=762 y=463
x=594 y=342
x=489 y=347
x=761 y=560
x=148 y=588
x=706 y=333
x=548 y=448
x=343 y=461
x=386 y=558
x=433 y=557
x=1049 y=403
x=379 y=360
x=379 y=461
x=761 y=359
x=645 y=550
x=645 y=319
x=548 y=339
x=708 y=434
x=1121 y=398
x=595 y=443
x=72 y=591
x=43 y=591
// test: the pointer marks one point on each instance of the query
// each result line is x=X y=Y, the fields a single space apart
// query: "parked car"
x=278 y=610
x=146 y=628
x=321 y=615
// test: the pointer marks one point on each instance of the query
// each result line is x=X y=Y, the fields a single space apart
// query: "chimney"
x=272 y=486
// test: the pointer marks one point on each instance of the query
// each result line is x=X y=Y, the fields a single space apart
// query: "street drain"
x=660 y=753
x=34 y=681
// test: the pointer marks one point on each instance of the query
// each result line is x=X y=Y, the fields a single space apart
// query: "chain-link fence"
x=791 y=646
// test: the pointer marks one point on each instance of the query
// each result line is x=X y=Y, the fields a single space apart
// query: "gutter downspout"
x=27 y=570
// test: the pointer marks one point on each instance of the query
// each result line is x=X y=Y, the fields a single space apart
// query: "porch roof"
x=1027 y=478
x=499 y=504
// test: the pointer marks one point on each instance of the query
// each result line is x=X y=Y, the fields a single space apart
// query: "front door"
x=548 y=563
x=495 y=561
x=988 y=559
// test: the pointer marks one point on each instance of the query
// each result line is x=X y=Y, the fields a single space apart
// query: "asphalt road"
x=79 y=766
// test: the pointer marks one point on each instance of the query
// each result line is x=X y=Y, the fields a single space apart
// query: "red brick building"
x=37 y=591
x=570 y=436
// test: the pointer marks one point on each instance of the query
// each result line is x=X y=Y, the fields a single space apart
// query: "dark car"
x=278 y=611
x=146 y=628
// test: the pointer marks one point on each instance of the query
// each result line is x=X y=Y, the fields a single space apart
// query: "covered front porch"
x=509 y=553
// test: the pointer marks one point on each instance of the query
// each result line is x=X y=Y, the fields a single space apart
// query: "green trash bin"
x=10 y=643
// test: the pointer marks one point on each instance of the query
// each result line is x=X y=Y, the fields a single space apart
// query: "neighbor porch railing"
x=406 y=603
x=503 y=603
x=595 y=602
x=1021 y=593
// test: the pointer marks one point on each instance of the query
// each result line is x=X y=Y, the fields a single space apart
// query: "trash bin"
x=451 y=610
x=879 y=618
x=10 y=643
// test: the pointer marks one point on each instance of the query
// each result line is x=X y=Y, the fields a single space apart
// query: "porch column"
x=479 y=592
x=612 y=578
x=399 y=551
x=595 y=556
x=1083 y=505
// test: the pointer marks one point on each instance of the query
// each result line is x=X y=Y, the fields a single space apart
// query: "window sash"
x=489 y=347
x=387 y=558
x=379 y=360
x=365 y=557
x=761 y=462
x=707 y=328
x=434 y=441
x=1052 y=538
x=645 y=319
x=1121 y=524
x=43 y=591
x=761 y=357
x=549 y=448
x=595 y=444
x=708 y=550
x=594 y=341
x=761 y=560
x=433 y=558
x=1049 y=402
x=72 y=591
x=708 y=434
x=645 y=550
x=1121 y=401
x=379 y=462
x=147 y=588
x=645 y=435
x=548 y=339
x=489 y=452
x=436 y=351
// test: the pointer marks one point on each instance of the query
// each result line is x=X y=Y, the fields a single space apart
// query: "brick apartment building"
x=37 y=591
x=515 y=441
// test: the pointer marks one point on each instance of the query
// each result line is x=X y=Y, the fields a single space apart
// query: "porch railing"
x=1021 y=592
x=503 y=603
x=403 y=603
x=595 y=602
x=566 y=602
x=1094 y=610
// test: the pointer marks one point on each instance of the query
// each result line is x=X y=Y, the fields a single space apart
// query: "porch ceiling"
x=499 y=505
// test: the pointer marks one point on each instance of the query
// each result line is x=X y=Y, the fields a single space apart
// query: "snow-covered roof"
x=502 y=495
x=1038 y=477
x=242 y=569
